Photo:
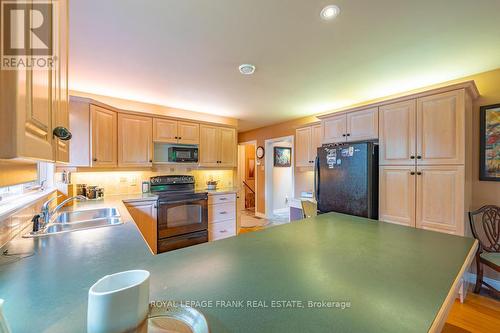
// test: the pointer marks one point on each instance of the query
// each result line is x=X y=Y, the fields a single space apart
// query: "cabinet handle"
x=412 y=157
x=419 y=157
x=176 y=138
x=412 y=173
x=62 y=133
x=180 y=138
x=223 y=213
x=348 y=134
x=419 y=173
x=222 y=199
x=150 y=161
x=223 y=231
x=94 y=159
x=343 y=135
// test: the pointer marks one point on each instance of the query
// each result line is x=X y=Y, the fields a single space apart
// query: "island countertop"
x=394 y=278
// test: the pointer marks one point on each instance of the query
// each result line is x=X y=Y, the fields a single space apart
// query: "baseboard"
x=281 y=210
x=471 y=278
x=262 y=215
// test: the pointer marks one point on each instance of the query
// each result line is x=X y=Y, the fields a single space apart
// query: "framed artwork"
x=489 y=150
x=282 y=157
x=251 y=168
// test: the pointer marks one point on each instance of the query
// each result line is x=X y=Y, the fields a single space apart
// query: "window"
x=44 y=178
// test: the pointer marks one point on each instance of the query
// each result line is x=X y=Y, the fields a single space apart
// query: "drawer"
x=221 y=212
x=221 y=230
x=221 y=198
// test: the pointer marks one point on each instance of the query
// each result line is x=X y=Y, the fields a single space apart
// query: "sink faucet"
x=46 y=214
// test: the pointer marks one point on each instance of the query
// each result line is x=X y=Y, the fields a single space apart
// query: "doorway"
x=247 y=184
x=279 y=171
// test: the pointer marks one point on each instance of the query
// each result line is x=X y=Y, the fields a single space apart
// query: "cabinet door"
x=61 y=80
x=303 y=139
x=189 y=133
x=165 y=130
x=362 y=125
x=440 y=128
x=144 y=214
x=104 y=137
x=334 y=129
x=397 y=130
x=440 y=198
x=209 y=145
x=397 y=194
x=227 y=147
x=135 y=140
x=316 y=141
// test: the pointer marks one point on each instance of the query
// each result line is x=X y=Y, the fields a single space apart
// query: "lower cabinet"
x=441 y=198
x=144 y=214
x=221 y=216
x=397 y=194
x=425 y=197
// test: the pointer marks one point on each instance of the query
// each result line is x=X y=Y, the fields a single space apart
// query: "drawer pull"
x=223 y=213
x=223 y=231
x=222 y=199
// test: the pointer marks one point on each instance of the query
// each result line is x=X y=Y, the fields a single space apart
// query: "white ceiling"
x=185 y=53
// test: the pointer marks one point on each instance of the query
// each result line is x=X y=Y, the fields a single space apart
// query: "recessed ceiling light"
x=247 y=69
x=330 y=12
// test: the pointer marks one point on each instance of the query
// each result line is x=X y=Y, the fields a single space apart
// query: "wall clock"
x=260 y=152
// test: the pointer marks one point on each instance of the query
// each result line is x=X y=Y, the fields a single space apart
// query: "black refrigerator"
x=346 y=179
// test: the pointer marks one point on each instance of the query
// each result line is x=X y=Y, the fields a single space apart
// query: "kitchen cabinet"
x=425 y=136
x=31 y=102
x=104 y=131
x=398 y=133
x=307 y=141
x=135 y=141
x=221 y=216
x=144 y=214
x=440 y=198
x=397 y=194
x=173 y=131
x=217 y=146
x=351 y=126
x=441 y=128
x=334 y=129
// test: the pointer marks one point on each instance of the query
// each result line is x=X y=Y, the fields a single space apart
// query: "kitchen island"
x=329 y=273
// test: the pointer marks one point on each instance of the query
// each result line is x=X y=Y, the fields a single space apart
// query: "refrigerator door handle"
x=316 y=178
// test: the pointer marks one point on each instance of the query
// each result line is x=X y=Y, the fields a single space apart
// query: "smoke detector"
x=247 y=69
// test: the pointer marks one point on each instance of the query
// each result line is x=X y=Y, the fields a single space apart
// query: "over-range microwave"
x=183 y=154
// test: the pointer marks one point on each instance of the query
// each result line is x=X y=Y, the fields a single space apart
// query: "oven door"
x=182 y=215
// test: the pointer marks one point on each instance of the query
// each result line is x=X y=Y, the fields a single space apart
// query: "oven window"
x=182 y=215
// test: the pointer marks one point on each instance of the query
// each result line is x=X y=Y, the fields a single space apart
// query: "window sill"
x=10 y=207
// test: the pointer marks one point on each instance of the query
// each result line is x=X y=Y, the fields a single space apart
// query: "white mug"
x=4 y=328
x=118 y=302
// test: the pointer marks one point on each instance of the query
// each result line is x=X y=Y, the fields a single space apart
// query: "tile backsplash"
x=129 y=182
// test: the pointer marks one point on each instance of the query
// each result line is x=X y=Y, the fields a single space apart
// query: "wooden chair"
x=309 y=208
x=485 y=226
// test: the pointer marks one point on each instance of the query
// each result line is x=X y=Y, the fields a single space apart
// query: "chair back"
x=485 y=226
x=309 y=208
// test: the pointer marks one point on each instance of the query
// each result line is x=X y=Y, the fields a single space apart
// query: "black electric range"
x=182 y=212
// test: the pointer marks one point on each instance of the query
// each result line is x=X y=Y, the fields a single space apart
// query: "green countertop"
x=395 y=278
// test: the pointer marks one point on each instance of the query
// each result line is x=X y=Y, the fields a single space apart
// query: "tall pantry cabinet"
x=425 y=168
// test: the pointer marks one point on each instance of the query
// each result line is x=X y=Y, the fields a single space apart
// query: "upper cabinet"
x=104 y=131
x=425 y=131
x=34 y=101
x=217 y=146
x=351 y=126
x=135 y=141
x=173 y=131
x=107 y=137
x=441 y=128
x=307 y=141
x=398 y=124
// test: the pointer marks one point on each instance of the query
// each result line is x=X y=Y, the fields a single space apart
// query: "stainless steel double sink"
x=80 y=220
